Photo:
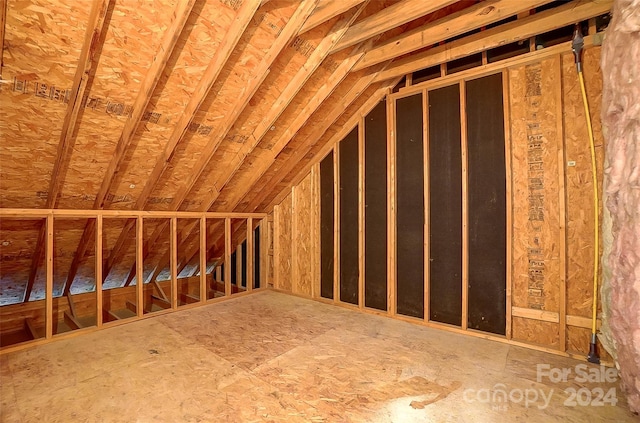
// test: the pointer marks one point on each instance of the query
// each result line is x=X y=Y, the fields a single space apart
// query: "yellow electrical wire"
x=596 y=229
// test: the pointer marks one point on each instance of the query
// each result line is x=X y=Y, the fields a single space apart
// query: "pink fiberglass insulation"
x=621 y=118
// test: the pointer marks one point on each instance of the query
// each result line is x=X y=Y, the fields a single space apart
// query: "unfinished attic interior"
x=319 y=210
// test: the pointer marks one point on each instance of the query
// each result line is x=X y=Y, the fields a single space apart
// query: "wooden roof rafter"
x=323 y=146
x=353 y=92
x=286 y=97
x=284 y=38
x=161 y=57
x=301 y=151
x=292 y=89
x=217 y=63
x=474 y=17
x=389 y=18
x=93 y=39
x=310 y=108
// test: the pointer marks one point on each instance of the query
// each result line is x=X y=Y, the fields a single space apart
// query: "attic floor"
x=274 y=357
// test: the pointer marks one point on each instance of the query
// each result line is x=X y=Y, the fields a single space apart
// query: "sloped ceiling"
x=190 y=105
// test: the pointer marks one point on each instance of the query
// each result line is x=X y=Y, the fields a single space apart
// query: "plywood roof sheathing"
x=94 y=37
x=284 y=100
x=160 y=59
x=251 y=85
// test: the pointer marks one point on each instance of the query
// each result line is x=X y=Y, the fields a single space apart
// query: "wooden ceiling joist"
x=474 y=17
x=389 y=18
x=327 y=9
x=160 y=59
x=86 y=63
x=284 y=38
x=511 y=32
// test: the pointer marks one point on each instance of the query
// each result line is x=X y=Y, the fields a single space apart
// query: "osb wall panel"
x=535 y=331
x=535 y=97
x=34 y=96
x=134 y=34
x=301 y=238
x=282 y=244
x=237 y=72
x=207 y=26
x=579 y=184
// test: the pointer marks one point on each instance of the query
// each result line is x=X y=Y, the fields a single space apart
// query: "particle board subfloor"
x=272 y=357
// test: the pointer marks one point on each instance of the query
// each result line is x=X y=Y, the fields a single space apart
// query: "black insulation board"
x=445 y=206
x=487 y=205
x=234 y=266
x=256 y=257
x=326 y=226
x=349 y=218
x=410 y=207
x=375 y=198
x=243 y=264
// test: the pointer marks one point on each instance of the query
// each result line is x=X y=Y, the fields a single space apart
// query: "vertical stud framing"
x=336 y=226
x=203 y=259
x=49 y=280
x=425 y=152
x=361 y=212
x=139 y=267
x=174 y=263
x=250 y=255
x=465 y=206
x=509 y=179
x=99 y=297
x=227 y=256
x=391 y=206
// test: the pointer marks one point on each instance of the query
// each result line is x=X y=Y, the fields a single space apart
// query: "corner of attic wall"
x=621 y=119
